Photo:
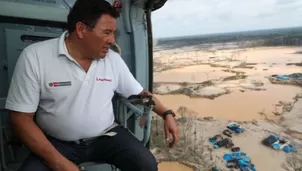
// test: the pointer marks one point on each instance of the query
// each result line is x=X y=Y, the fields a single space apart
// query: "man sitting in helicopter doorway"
x=67 y=84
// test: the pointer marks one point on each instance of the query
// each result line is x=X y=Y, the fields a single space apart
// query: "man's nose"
x=111 y=40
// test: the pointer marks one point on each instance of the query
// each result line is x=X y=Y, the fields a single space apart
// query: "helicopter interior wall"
x=14 y=37
x=17 y=34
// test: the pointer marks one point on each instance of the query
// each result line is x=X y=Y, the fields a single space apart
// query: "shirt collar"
x=62 y=50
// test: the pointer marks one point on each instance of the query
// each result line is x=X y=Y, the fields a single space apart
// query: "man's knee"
x=142 y=160
x=151 y=166
x=33 y=163
x=149 y=163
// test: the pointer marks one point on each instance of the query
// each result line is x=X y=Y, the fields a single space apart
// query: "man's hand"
x=170 y=127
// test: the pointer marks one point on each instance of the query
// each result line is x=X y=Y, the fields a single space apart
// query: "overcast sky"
x=194 y=17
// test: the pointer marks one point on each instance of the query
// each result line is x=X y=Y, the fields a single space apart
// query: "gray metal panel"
x=123 y=36
x=3 y=48
x=135 y=51
x=49 y=10
x=2 y=103
x=13 y=9
x=132 y=38
x=123 y=40
x=15 y=45
x=140 y=46
x=48 y=3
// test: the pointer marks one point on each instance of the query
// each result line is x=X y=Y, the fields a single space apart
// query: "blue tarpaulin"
x=290 y=76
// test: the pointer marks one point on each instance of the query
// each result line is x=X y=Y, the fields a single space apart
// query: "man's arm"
x=32 y=137
x=158 y=108
x=22 y=102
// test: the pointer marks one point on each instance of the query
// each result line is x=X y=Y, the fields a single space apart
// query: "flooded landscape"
x=211 y=87
x=239 y=98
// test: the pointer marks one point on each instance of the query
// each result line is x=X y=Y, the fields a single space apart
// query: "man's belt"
x=106 y=132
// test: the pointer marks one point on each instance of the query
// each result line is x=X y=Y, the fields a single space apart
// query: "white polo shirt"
x=70 y=104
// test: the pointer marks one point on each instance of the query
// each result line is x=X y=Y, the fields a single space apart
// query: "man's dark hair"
x=88 y=12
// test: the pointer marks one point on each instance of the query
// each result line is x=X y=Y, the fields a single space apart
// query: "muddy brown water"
x=238 y=105
x=173 y=166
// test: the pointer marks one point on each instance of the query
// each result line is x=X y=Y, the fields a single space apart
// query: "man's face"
x=97 y=42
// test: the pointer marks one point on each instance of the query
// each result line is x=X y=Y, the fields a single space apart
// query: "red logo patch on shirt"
x=59 y=84
x=103 y=79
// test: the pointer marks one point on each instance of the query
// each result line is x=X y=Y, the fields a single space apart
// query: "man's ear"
x=80 y=29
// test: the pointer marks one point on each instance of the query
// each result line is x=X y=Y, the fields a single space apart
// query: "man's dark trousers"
x=122 y=150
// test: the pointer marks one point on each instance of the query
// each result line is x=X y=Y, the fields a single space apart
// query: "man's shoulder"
x=42 y=47
x=37 y=52
x=114 y=57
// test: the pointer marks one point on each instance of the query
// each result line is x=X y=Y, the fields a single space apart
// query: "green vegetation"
x=245 y=39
